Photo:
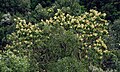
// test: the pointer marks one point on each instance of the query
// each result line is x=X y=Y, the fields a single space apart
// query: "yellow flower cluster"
x=90 y=28
x=25 y=35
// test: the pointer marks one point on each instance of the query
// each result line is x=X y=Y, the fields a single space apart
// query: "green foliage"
x=60 y=43
x=14 y=5
x=116 y=52
x=80 y=25
x=6 y=27
x=96 y=69
x=71 y=7
x=59 y=36
x=9 y=62
x=111 y=7
x=42 y=13
x=45 y=44
x=23 y=40
x=83 y=37
x=44 y=3
x=35 y=10
x=115 y=28
x=67 y=64
x=91 y=28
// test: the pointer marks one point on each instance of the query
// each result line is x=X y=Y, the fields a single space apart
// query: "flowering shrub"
x=44 y=43
x=24 y=36
x=83 y=37
x=24 y=39
x=91 y=28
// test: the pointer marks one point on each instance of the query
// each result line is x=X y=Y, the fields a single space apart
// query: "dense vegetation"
x=59 y=36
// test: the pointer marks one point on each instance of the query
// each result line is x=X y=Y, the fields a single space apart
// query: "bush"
x=91 y=28
x=9 y=62
x=82 y=37
x=60 y=43
x=24 y=39
x=45 y=44
x=67 y=64
x=24 y=36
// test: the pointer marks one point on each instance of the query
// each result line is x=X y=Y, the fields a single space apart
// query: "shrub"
x=67 y=64
x=9 y=62
x=82 y=37
x=44 y=43
x=91 y=28
x=60 y=43
x=23 y=40
x=24 y=36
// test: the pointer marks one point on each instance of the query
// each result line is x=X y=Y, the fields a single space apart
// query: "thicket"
x=62 y=38
x=35 y=10
x=59 y=36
